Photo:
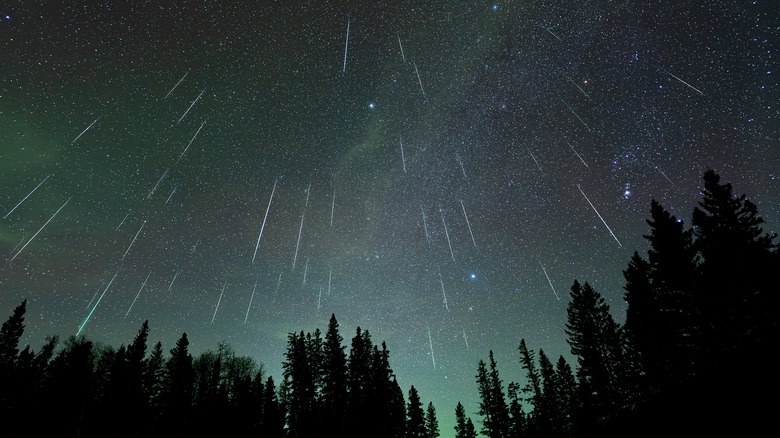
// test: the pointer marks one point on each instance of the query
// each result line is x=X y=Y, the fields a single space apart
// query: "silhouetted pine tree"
x=739 y=289
x=334 y=380
x=31 y=371
x=301 y=374
x=566 y=388
x=178 y=391
x=415 y=416
x=397 y=410
x=358 y=378
x=273 y=421
x=460 y=421
x=492 y=407
x=431 y=422
x=548 y=418
x=518 y=421
x=70 y=389
x=380 y=395
x=10 y=334
x=595 y=338
x=662 y=320
x=154 y=386
x=533 y=388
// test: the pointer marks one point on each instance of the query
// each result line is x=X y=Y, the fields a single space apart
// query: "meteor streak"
x=602 y=219
x=218 y=301
x=548 y=281
x=41 y=229
x=85 y=130
x=177 y=84
x=137 y=295
x=86 y=320
x=192 y=104
x=468 y=223
x=257 y=245
x=689 y=85
x=346 y=47
x=28 y=195
x=131 y=243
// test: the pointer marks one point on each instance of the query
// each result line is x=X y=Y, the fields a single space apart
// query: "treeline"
x=690 y=358
x=84 y=389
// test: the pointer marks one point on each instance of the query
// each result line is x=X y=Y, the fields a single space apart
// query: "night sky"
x=436 y=172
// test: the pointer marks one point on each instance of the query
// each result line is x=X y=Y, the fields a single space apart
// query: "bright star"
x=371 y=105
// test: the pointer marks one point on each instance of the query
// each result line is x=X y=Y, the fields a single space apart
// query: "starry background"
x=457 y=151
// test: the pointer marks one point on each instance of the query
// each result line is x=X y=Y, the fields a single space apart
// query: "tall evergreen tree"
x=154 y=384
x=534 y=379
x=662 y=320
x=10 y=334
x=273 y=421
x=415 y=416
x=358 y=378
x=301 y=373
x=547 y=413
x=70 y=389
x=397 y=414
x=431 y=422
x=334 y=380
x=492 y=407
x=596 y=339
x=518 y=419
x=179 y=389
x=460 y=421
x=738 y=295
x=566 y=386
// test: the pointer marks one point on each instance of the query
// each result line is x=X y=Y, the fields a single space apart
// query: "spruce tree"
x=273 y=421
x=10 y=334
x=518 y=419
x=431 y=422
x=460 y=421
x=358 y=378
x=334 y=379
x=179 y=389
x=738 y=295
x=662 y=319
x=596 y=339
x=568 y=407
x=415 y=416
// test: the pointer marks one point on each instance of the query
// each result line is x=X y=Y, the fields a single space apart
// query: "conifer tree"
x=10 y=334
x=738 y=298
x=334 y=379
x=397 y=414
x=534 y=385
x=273 y=421
x=415 y=416
x=518 y=419
x=492 y=407
x=460 y=421
x=566 y=386
x=662 y=319
x=431 y=422
x=596 y=339
x=546 y=414
x=358 y=378
x=179 y=389
x=301 y=376
x=70 y=389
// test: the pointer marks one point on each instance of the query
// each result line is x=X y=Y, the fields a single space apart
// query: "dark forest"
x=689 y=359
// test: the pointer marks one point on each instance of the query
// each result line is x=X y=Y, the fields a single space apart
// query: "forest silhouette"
x=689 y=360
